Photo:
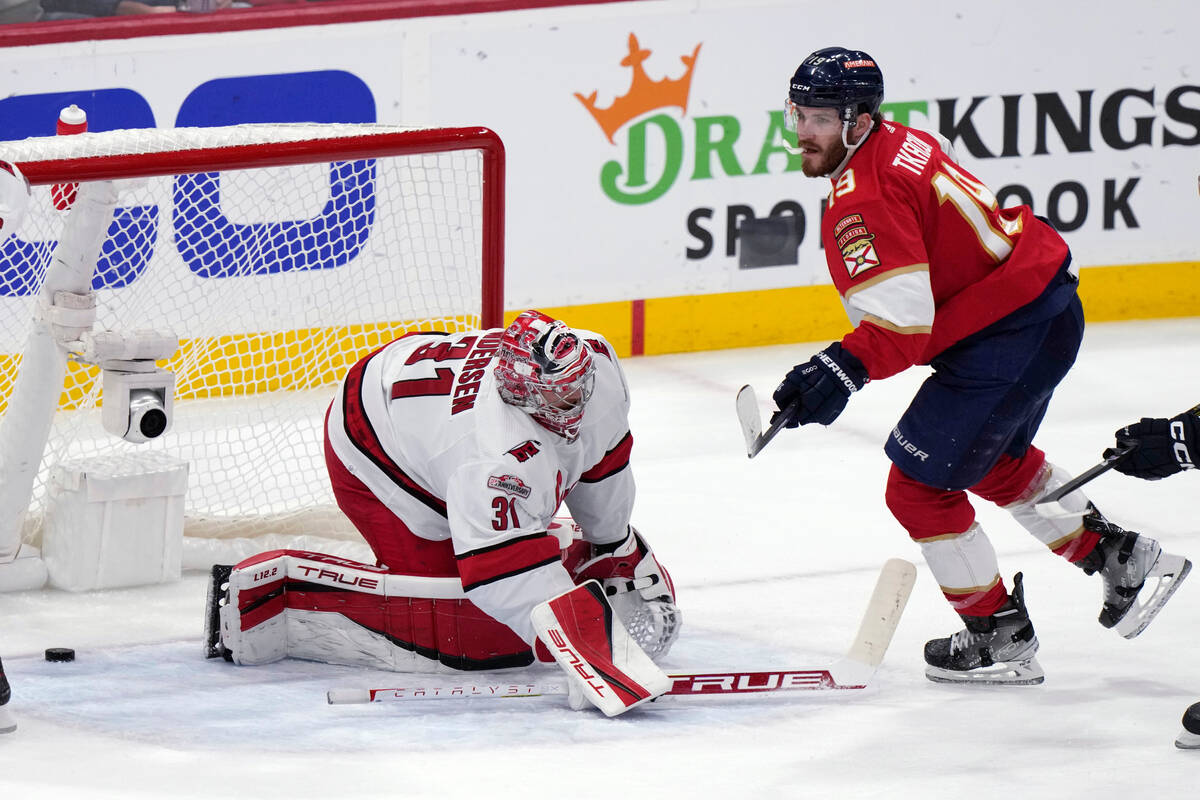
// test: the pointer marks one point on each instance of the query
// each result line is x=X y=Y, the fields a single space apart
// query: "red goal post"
x=76 y=164
x=279 y=255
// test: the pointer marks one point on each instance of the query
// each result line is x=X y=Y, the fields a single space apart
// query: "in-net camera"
x=139 y=397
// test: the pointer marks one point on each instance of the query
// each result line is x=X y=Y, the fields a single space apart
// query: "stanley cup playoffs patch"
x=856 y=243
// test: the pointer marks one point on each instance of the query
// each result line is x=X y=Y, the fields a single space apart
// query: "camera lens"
x=153 y=423
x=146 y=413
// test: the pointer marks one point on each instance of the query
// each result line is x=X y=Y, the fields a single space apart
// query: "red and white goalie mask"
x=14 y=198
x=544 y=368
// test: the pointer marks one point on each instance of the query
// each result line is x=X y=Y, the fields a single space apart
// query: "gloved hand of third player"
x=822 y=385
x=1164 y=446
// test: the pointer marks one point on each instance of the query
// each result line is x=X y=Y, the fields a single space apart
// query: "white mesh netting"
x=275 y=279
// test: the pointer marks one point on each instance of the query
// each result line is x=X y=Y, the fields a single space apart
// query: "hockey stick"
x=852 y=671
x=1050 y=507
x=751 y=422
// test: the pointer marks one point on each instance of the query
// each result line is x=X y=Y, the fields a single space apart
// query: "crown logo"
x=644 y=94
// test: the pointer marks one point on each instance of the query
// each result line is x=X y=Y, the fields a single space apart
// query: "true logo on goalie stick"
x=510 y=484
x=751 y=682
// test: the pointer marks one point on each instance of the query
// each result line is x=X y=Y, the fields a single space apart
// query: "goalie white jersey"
x=421 y=424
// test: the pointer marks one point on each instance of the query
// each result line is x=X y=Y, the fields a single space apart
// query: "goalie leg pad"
x=310 y=606
x=601 y=660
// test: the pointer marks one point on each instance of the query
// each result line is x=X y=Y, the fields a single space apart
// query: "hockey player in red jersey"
x=451 y=455
x=932 y=271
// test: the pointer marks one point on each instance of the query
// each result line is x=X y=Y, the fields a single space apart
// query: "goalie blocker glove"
x=604 y=666
x=822 y=385
x=1163 y=446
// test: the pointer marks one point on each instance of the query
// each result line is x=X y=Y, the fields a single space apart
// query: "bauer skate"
x=1189 y=737
x=998 y=649
x=1139 y=578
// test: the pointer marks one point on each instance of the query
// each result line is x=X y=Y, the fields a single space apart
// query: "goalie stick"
x=852 y=671
x=1050 y=506
x=751 y=421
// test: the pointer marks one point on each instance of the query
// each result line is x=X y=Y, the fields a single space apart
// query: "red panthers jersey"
x=921 y=253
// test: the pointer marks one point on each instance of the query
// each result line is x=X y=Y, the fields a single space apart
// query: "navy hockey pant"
x=986 y=398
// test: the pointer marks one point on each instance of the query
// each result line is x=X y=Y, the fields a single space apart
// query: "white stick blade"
x=883 y=612
x=748 y=417
x=343 y=696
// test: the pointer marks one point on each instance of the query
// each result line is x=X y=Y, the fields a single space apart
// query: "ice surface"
x=774 y=559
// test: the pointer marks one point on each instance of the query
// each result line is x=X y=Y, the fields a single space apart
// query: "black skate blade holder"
x=1049 y=505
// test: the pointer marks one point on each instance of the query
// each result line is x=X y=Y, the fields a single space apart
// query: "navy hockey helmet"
x=834 y=77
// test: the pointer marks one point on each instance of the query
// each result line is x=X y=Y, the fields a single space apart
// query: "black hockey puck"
x=60 y=654
x=1191 y=719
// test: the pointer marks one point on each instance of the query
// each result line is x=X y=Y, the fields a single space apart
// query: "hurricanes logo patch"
x=856 y=244
x=526 y=450
x=510 y=484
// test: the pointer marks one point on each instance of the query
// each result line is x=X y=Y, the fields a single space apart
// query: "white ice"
x=774 y=559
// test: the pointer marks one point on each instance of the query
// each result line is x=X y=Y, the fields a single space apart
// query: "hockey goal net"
x=279 y=255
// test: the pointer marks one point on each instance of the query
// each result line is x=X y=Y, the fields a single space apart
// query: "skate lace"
x=963 y=640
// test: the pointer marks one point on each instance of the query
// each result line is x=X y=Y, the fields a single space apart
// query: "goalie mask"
x=544 y=368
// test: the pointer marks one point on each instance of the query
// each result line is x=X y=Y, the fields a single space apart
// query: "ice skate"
x=7 y=723
x=999 y=649
x=1139 y=578
x=1189 y=737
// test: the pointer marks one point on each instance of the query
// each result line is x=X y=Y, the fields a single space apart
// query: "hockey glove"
x=626 y=566
x=822 y=385
x=1164 y=446
x=639 y=589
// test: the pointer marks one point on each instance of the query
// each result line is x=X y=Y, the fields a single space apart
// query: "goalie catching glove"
x=1163 y=446
x=603 y=664
x=638 y=588
x=821 y=387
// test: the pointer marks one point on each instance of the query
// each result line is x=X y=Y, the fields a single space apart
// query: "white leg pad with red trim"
x=601 y=660
x=357 y=615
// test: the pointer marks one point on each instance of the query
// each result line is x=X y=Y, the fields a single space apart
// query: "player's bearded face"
x=822 y=154
x=819 y=137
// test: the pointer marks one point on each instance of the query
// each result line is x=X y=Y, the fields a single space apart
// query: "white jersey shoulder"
x=433 y=405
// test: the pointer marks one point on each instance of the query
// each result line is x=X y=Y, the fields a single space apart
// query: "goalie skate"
x=998 y=649
x=218 y=592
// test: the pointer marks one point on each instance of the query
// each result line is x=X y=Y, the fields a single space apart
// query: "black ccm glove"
x=822 y=384
x=1164 y=446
